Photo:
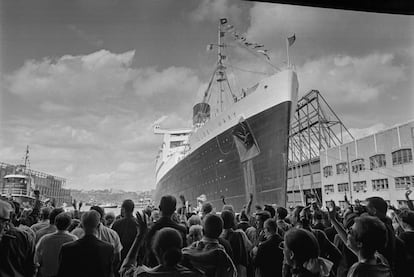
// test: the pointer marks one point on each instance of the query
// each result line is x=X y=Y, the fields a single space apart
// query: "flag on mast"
x=223 y=21
x=291 y=40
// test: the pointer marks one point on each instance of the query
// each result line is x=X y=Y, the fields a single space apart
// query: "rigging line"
x=257 y=55
x=249 y=71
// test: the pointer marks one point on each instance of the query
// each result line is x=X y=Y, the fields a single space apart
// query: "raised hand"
x=408 y=192
x=331 y=210
x=142 y=222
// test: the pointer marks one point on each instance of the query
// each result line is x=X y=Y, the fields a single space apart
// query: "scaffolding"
x=315 y=127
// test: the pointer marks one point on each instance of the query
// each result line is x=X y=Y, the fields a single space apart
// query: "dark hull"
x=215 y=168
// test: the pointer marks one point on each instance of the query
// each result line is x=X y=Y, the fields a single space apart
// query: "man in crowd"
x=48 y=247
x=268 y=257
x=51 y=228
x=126 y=227
x=16 y=249
x=167 y=208
x=282 y=225
x=88 y=256
x=44 y=219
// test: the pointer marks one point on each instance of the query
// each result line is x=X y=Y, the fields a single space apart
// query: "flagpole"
x=287 y=52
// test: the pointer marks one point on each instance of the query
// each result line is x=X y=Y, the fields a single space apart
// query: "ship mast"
x=220 y=67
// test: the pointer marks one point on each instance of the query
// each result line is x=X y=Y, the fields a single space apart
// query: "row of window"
x=398 y=157
x=403 y=182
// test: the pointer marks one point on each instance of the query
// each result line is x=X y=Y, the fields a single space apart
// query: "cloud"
x=346 y=79
x=213 y=10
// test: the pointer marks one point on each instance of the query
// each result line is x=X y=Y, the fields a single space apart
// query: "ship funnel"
x=201 y=113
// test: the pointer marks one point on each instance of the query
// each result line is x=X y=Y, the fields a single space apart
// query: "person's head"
x=295 y=214
x=167 y=246
x=367 y=235
x=109 y=218
x=281 y=213
x=63 y=221
x=128 y=207
x=206 y=209
x=243 y=216
x=300 y=245
x=54 y=213
x=270 y=227
x=168 y=204
x=376 y=206
x=407 y=218
x=5 y=216
x=100 y=211
x=90 y=221
x=271 y=210
x=194 y=220
x=229 y=220
x=261 y=217
x=44 y=213
x=318 y=216
x=195 y=233
x=228 y=207
x=213 y=226
x=155 y=216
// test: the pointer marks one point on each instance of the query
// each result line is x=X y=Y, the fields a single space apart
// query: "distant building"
x=50 y=187
x=379 y=165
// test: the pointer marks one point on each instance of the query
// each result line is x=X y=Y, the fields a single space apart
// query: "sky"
x=82 y=82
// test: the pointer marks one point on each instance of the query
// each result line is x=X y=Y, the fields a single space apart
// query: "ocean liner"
x=232 y=150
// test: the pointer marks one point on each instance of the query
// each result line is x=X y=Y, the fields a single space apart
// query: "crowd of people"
x=361 y=239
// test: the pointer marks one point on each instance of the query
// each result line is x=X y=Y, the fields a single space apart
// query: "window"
x=342 y=187
x=174 y=144
x=329 y=189
x=327 y=171
x=341 y=168
x=357 y=165
x=360 y=186
x=402 y=156
x=377 y=161
x=403 y=182
x=380 y=184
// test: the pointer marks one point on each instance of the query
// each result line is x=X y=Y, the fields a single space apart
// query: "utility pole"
x=349 y=174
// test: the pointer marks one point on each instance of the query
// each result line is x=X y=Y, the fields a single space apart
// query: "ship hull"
x=216 y=168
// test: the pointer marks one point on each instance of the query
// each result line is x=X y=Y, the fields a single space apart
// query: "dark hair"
x=228 y=219
x=302 y=243
x=100 y=210
x=167 y=205
x=213 y=226
x=271 y=225
x=271 y=210
x=371 y=233
x=318 y=215
x=167 y=245
x=63 y=221
x=378 y=203
x=243 y=216
x=128 y=206
x=54 y=213
x=263 y=215
x=207 y=208
x=281 y=213
x=407 y=217
x=45 y=213
x=90 y=220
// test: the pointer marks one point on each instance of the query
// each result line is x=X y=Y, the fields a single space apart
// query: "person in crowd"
x=301 y=255
x=16 y=248
x=208 y=255
x=407 y=218
x=44 y=219
x=52 y=227
x=243 y=224
x=409 y=202
x=194 y=220
x=206 y=209
x=271 y=210
x=318 y=220
x=154 y=216
x=126 y=227
x=376 y=206
x=167 y=246
x=240 y=252
x=268 y=257
x=109 y=219
x=48 y=247
x=282 y=225
x=256 y=235
x=24 y=225
x=366 y=237
x=167 y=207
x=87 y=256
x=195 y=233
